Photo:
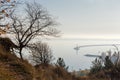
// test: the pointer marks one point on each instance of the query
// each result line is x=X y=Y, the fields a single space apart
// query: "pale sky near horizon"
x=83 y=19
x=99 y=19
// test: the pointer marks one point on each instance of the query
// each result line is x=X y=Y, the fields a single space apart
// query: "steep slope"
x=11 y=67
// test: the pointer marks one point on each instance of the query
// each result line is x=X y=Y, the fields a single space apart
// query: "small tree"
x=108 y=64
x=61 y=63
x=35 y=22
x=41 y=53
x=96 y=66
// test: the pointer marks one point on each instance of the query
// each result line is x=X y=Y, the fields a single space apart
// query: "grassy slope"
x=51 y=72
x=12 y=68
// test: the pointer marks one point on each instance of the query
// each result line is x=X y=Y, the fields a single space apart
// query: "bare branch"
x=41 y=53
x=37 y=22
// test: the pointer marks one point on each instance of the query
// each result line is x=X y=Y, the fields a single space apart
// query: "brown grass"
x=13 y=68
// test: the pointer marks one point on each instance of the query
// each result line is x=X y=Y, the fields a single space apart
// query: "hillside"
x=50 y=72
x=13 y=68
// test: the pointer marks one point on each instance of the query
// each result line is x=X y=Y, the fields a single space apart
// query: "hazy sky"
x=93 y=19
x=86 y=18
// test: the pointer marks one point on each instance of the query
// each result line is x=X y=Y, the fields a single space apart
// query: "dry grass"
x=50 y=72
x=12 y=68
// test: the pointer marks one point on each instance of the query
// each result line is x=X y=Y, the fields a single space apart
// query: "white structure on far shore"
x=113 y=56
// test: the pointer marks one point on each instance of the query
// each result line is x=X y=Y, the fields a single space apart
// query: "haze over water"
x=65 y=48
x=98 y=19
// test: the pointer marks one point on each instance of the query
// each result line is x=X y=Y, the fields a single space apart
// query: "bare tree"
x=35 y=22
x=41 y=53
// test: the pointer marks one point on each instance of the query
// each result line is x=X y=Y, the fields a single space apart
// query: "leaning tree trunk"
x=20 y=52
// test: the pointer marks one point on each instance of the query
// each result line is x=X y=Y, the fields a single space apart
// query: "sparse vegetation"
x=12 y=68
x=106 y=69
x=60 y=63
x=96 y=66
x=41 y=53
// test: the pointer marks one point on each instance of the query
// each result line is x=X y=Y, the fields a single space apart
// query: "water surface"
x=65 y=48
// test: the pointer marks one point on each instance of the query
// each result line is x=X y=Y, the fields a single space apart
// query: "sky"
x=98 y=19
x=83 y=19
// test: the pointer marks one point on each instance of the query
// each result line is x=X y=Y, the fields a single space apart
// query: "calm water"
x=64 y=48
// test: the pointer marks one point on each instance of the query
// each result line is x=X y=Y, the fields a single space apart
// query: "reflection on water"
x=65 y=48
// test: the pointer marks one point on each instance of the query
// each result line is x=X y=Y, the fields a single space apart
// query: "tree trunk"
x=20 y=52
